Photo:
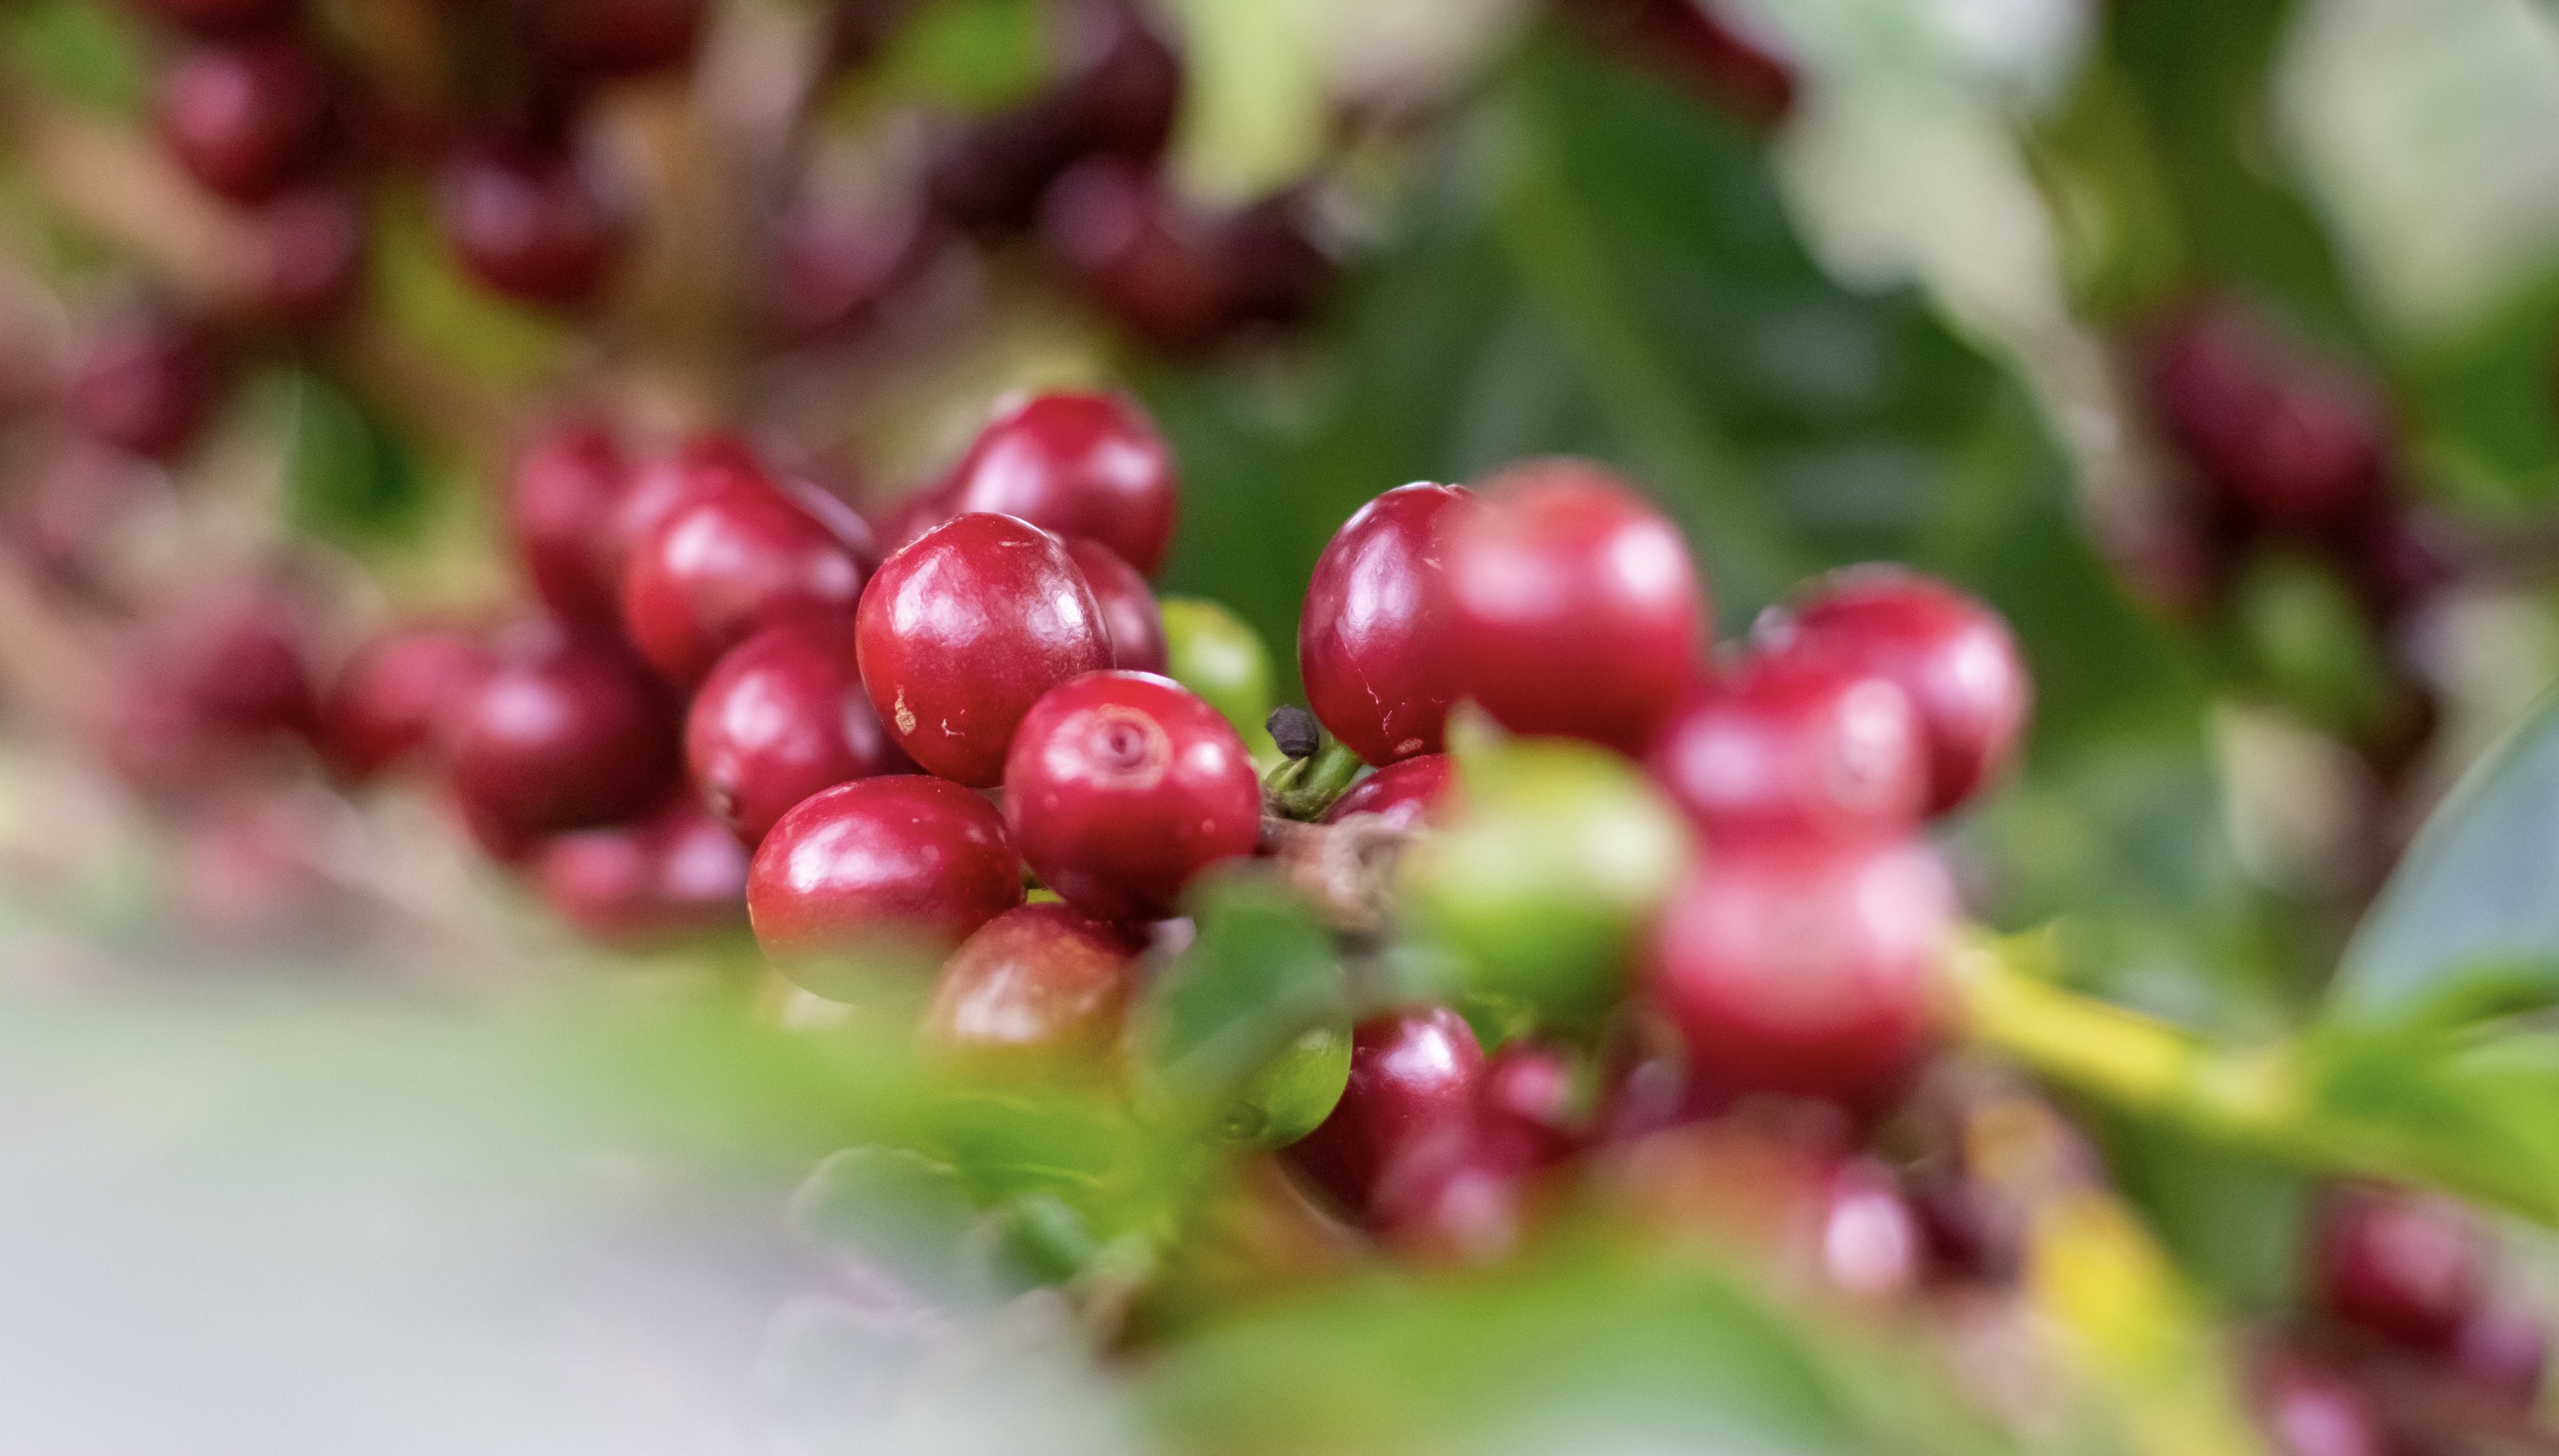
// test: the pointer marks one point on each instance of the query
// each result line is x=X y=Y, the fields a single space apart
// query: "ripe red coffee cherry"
x=566 y=486
x=146 y=383
x=2410 y=1268
x=313 y=241
x=835 y=256
x=1037 y=985
x=1794 y=744
x=884 y=866
x=1953 y=655
x=783 y=716
x=565 y=733
x=1801 y=967
x=525 y=220
x=225 y=17
x=721 y=565
x=1573 y=605
x=1129 y=613
x=1411 y=795
x=670 y=874
x=1121 y=787
x=1148 y=260
x=964 y=630
x=703 y=465
x=390 y=695
x=2283 y=444
x=1079 y=465
x=245 y=665
x=1373 y=639
x=1414 y=1081
x=245 y=120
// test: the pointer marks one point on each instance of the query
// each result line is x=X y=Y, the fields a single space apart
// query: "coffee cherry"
x=1121 y=787
x=963 y=631
x=525 y=220
x=390 y=697
x=1129 y=613
x=568 y=733
x=723 y=564
x=1141 y=253
x=2308 y=1412
x=1529 y=1104
x=783 y=716
x=225 y=17
x=313 y=241
x=146 y=383
x=1079 y=465
x=1954 y=657
x=246 y=665
x=605 y=38
x=2283 y=444
x=1038 y=985
x=703 y=465
x=245 y=120
x=670 y=874
x=1413 y=1082
x=1414 y=794
x=1211 y=651
x=560 y=503
x=1806 y=968
x=1454 y=1200
x=883 y=867
x=1373 y=636
x=1572 y=607
x=836 y=259
x=2409 y=1268
x=2503 y=1349
x=1293 y=1093
x=1791 y=744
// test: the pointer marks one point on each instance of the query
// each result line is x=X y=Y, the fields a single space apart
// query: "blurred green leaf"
x=415 y=286
x=969 y=55
x=1262 y=972
x=347 y=477
x=84 y=50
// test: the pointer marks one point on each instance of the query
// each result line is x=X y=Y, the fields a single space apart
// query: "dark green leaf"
x=348 y=476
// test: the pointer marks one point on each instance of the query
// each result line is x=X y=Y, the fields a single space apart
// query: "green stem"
x=1303 y=788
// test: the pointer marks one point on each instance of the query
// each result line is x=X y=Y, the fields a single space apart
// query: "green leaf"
x=347 y=477
x=1262 y=973
x=84 y=50
x=969 y=55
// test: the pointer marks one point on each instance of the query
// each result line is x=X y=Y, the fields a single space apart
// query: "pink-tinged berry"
x=390 y=697
x=722 y=565
x=569 y=732
x=1413 y=1081
x=2408 y=1267
x=1038 y=986
x=673 y=873
x=1413 y=793
x=1791 y=744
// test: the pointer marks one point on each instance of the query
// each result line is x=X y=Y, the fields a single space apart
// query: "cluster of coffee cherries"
x=2413 y=1342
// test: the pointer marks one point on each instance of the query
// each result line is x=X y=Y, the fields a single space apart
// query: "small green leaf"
x=347 y=477
x=1262 y=973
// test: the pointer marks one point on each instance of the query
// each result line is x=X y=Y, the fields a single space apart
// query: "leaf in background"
x=1256 y=103
x=2478 y=891
x=969 y=55
x=416 y=288
x=84 y=49
x=346 y=476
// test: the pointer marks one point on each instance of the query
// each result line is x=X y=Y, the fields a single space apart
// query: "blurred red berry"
x=1413 y=1084
x=146 y=383
x=1039 y=985
x=1129 y=612
x=390 y=695
x=671 y=873
x=2408 y=1267
x=567 y=732
x=726 y=563
x=1079 y=465
x=878 y=867
x=245 y=119
x=1410 y=793
x=526 y=220
x=1792 y=744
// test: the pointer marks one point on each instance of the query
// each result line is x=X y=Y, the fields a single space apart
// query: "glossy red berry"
x=882 y=866
x=703 y=465
x=1953 y=655
x=1129 y=612
x=669 y=874
x=527 y=221
x=2410 y=1268
x=566 y=486
x=245 y=119
x=313 y=245
x=964 y=630
x=1806 y=968
x=225 y=17
x=1414 y=1081
x=1373 y=638
x=390 y=697
x=1039 y=984
x=722 y=565
x=146 y=383
x=565 y=733
x=783 y=716
x=1079 y=465
x=1413 y=793
x=1572 y=607
x=1792 y=744
x=1122 y=787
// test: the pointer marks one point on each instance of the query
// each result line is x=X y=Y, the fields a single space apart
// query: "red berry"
x=722 y=565
x=525 y=220
x=147 y=384
x=964 y=630
x=1039 y=984
x=2504 y=1348
x=1413 y=1084
x=836 y=258
x=225 y=17
x=1794 y=966
x=2283 y=444
x=390 y=697
x=1373 y=639
x=2308 y=1412
x=1146 y=258
x=1122 y=787
x=245 y=119
x=1529 y=1104
x=1572 y=607
x=670 y=874
x=246 y=667
x=2410 y=1268
x=1079 y=465
x=1453 y=1200
x=567 y=733
x=1129 y=612
x=566 y=487
x=1411 y=795
x=1954 y=657
x=612 y=37
x=703 y=465
x=313 y=240
x=783 y=716
x=878 y=867
x=1793 y=744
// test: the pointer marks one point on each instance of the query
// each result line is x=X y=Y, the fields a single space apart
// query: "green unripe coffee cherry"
x=1562 y=853
x=1295 y=1093
x=1209 y=649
